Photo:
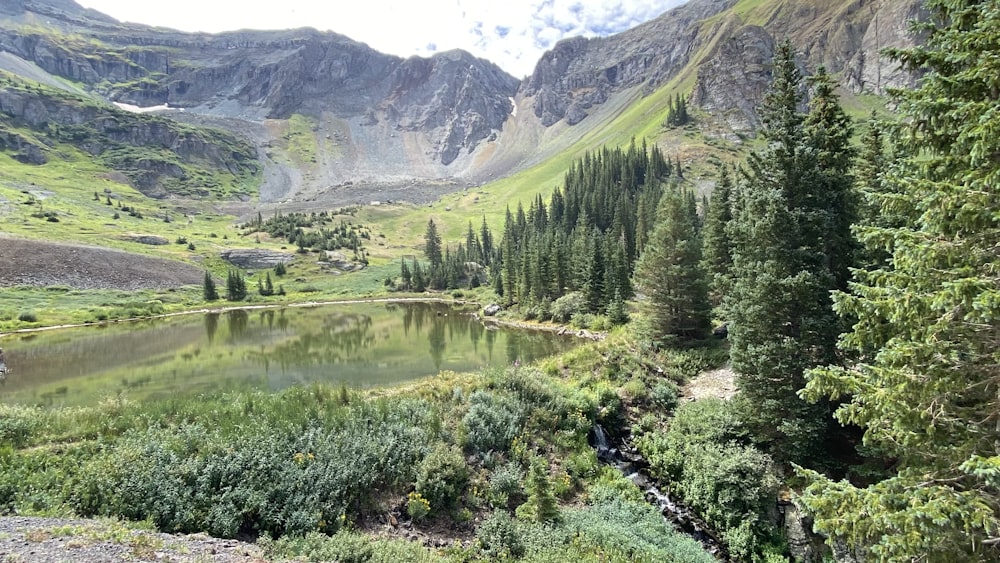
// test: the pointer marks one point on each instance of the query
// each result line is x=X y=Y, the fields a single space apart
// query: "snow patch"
x=137 y=109
x=513 y=104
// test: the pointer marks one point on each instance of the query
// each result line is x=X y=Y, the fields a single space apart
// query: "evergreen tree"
x=717 y=252
x=432 y=244
x=236 y=286
x=779 y=305
x=924 y=385
x=828 y=135
x=406 y=278
x=208 y=288
x=419 y=278
x=541 y=505
x=670 y=276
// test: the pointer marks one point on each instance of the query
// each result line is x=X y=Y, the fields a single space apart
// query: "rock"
x=256 y=258
x=721 y=331
x=803 y=544
x=492 y=309
x=339 y=261
x=734 y=79
x=151 y=240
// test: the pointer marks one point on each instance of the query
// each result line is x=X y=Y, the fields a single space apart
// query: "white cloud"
x=513 y=33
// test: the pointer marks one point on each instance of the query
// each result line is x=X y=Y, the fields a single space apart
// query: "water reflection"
x=359 y=345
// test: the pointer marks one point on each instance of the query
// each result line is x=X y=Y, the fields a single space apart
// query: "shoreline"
x=561 y=330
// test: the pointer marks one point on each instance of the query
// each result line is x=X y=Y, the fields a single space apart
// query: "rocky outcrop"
x=340 y=263
x=579 y=73
x=731 y=53
x=24 y=149
x=732 y=83
x=868 y=70
x=256 y=258
x=114 y=135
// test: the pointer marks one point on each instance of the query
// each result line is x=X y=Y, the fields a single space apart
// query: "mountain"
x=331 y=119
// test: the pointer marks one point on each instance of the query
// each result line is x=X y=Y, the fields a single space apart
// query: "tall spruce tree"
x=670 y=275
x=925 y=384
x=432 y=244
x=717 y=251
x=779 y=306
x=209 y=291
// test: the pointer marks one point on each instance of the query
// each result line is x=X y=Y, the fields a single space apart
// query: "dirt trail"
x=720 y=383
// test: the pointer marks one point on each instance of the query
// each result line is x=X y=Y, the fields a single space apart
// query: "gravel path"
x=53 y=540
x=720 y=383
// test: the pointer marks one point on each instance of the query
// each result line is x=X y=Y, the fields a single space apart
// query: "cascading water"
x=632 y=465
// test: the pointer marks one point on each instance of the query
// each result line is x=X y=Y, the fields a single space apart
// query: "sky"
x=511 y=33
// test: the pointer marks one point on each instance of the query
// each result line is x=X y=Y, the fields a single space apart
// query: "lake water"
x=359 y=345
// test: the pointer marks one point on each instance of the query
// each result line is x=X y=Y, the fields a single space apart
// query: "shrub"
x=28 y=317
x=732 y=487
x=346 y=547
x=564 y=308
x=582 y=320
x=493 y=421
x=417 y=506
x=505 y=485
x=499 y=537
x=442 y=477
x=664 y=395
x=730 y=484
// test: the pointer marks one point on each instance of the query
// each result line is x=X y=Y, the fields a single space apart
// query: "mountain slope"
x=334 y=120
x=370 y=117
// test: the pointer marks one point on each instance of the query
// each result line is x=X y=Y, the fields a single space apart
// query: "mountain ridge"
x=362 y=118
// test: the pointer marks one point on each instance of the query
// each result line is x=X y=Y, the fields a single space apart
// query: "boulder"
x=340 y=262
x=256 y=258
x=492 y=309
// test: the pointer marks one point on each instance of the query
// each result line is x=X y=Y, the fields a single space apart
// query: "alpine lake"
x=356 y=345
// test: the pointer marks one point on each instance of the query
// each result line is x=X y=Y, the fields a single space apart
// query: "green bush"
x=499 y=536
x=27 y=317
x=505 y=485
x=493 y=421
x=664 y=395
x=442 y=477
x=261 y=476
x=730 y=484
x=345 y=547
x=732 y=487
x=564 y=308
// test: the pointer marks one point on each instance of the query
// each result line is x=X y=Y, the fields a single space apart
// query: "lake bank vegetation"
x=495 y=464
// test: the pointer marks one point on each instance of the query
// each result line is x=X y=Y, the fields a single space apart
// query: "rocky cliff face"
x=151 y=151
x=579 y=73
x=728 y=45
x=381 y=123
x=453 y=99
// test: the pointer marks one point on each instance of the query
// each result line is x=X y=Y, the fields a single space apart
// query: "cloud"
x=512 y=34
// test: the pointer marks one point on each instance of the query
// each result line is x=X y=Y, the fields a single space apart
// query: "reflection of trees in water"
x=267 y=318
x=476 y=330
x=418 y=310
x=437 y=341
x=491 y=338
x=238 y=320
x=342 y=337
x=513 y=347
x=211 y=325
x=407 y=320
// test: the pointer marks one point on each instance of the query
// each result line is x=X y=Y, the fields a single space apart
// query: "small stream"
x=628 y=460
